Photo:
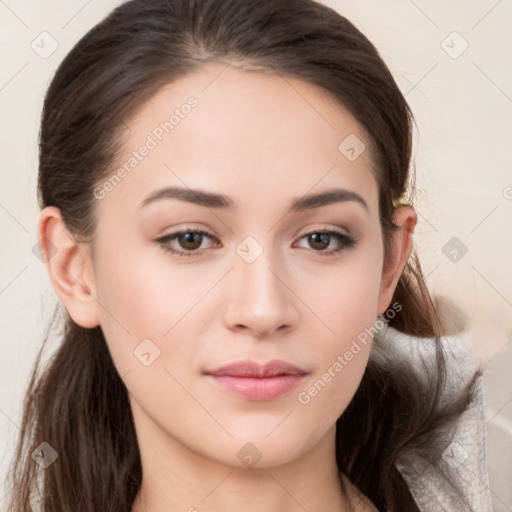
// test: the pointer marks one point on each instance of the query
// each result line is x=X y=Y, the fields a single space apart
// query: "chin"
x=260 y=450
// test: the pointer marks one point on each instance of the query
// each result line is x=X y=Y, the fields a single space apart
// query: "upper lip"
x=249 y=368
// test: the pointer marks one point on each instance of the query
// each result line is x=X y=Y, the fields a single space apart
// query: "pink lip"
x=257 y=382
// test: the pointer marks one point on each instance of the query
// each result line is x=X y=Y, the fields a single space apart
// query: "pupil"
x=319 y=238
x=190 y=240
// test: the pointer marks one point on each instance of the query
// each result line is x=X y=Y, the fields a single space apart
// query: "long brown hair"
x=77 y=402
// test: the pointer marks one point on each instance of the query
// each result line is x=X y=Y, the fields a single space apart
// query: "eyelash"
x=347 y=241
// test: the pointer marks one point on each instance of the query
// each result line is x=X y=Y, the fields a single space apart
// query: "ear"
x=69 y=267
x=405 y=218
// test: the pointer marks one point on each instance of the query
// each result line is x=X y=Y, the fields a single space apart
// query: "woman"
x=223 y=188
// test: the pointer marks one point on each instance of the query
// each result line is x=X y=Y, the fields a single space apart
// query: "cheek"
x=342 y=357
x=141 y=293
x=345 y=296
x=143 y=298
x=347 y=304
x=132 y=306
x=322 y=400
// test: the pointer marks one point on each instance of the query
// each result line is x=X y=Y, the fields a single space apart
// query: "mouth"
x=257 y=382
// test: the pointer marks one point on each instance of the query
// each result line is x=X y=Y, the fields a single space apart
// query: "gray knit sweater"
x=464 y=458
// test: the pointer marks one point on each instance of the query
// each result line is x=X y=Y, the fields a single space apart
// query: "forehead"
x=246 y=134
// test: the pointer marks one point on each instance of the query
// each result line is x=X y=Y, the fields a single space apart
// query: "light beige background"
x=463 y=108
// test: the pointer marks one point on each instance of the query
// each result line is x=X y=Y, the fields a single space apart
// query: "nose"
x=260 y=301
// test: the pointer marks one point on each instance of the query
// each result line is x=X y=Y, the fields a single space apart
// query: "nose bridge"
x=257 y=278
x=258 y=300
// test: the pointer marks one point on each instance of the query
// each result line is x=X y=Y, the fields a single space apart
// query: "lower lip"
x=254 y=388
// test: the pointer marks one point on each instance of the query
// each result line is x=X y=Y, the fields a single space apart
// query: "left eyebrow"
x=212 y=200
x=336 y=195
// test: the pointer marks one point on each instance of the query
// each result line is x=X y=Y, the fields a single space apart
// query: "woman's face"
x=262 y=283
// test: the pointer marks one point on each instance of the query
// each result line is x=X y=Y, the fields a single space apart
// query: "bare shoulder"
x=361 y=502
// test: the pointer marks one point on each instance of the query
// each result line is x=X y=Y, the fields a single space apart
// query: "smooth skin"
x=263 y=141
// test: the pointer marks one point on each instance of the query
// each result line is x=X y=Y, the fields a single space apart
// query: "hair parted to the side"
x=77 y=402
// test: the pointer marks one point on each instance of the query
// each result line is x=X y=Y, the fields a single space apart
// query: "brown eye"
x=328 y=242
x=187 y=242
x=319 y=241
x=191 y=240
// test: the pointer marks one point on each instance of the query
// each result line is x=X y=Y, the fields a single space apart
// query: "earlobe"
x=69 y=268
x=400 y=249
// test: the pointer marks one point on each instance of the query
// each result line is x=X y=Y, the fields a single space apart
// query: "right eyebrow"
x=198 y=197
